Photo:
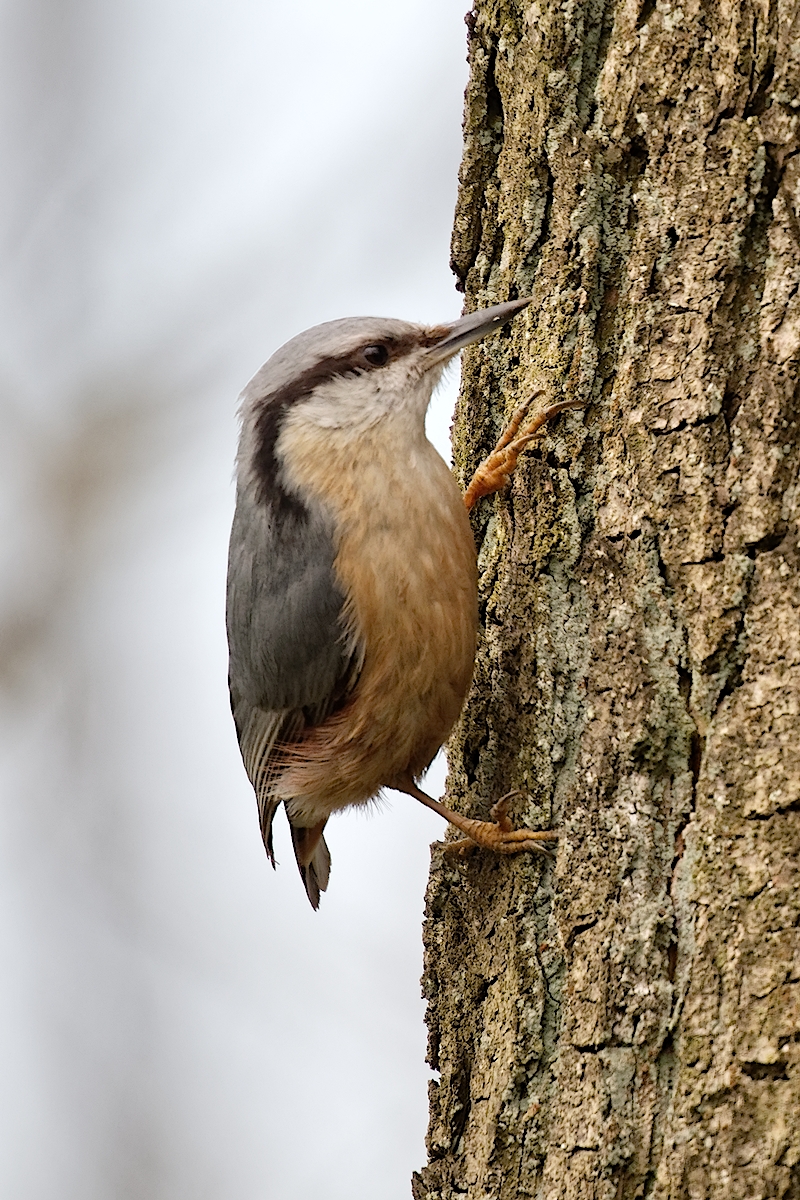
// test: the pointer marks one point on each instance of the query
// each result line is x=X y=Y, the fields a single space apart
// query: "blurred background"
x=187 y=183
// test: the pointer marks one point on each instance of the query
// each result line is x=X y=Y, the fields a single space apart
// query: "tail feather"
x=313 y=860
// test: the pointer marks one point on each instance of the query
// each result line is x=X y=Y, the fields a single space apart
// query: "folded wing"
x=291 y=660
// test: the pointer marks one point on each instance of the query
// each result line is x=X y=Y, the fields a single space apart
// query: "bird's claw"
x=497 y=468
x=500 y=835
x=499 y=811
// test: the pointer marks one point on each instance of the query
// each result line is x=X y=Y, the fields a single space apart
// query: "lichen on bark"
x=626 y=1022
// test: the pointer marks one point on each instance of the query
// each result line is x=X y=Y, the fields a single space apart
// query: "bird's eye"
x=376 y=356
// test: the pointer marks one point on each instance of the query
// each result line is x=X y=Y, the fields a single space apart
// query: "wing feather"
x=292 y=661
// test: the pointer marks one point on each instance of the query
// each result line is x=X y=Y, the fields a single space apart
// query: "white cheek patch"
x=357 y=402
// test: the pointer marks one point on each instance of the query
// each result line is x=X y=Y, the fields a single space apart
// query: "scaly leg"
x=495 y=471
x=498 y=835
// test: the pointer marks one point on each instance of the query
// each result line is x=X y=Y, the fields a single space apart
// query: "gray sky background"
x=186 y=185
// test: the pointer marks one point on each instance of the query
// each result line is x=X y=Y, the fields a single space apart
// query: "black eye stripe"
x=272 y=408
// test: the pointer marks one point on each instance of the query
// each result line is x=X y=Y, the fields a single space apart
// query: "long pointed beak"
x=472 y=328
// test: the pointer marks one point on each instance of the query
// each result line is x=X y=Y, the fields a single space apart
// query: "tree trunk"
x=626 y=1022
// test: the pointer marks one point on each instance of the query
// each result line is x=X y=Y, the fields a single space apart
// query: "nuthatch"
x=352 y=581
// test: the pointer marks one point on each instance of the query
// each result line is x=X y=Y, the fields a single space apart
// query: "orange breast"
x=406 y=560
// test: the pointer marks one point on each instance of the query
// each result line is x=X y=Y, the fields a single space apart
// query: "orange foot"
x=501 y=836
x=496 y=470
x=498 y=835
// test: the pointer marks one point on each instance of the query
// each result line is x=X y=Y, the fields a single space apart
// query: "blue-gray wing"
x=290 y=659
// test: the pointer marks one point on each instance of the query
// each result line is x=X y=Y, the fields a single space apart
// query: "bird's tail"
x=313 y=859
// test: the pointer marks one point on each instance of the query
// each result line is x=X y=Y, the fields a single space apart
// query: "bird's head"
x=346 y=376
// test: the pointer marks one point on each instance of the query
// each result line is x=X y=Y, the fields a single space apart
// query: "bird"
x=352 y=592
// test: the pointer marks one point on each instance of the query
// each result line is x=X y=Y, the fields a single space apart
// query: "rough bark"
x=626 y=1022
